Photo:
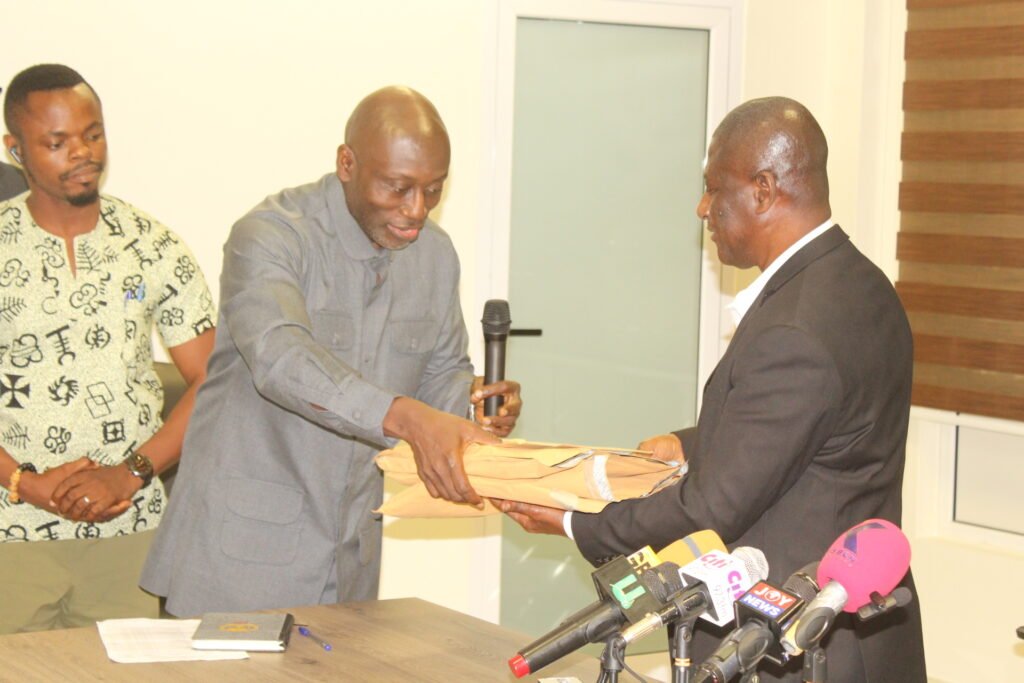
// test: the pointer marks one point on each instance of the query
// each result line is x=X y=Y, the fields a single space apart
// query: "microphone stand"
x=679 y=636
x=815 y=663
x=612 y=659
x=815 y=666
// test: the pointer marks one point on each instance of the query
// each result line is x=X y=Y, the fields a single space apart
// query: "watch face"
x=141 y=465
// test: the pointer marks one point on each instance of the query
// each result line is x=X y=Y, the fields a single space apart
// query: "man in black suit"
x=803 y=424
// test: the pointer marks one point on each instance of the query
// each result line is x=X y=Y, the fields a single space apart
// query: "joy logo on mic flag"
x=768 y=600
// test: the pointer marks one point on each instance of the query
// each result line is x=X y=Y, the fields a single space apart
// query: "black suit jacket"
x=11 y=181
x=801 y=435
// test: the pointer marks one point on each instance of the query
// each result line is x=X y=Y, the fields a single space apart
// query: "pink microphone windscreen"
x=871 y=556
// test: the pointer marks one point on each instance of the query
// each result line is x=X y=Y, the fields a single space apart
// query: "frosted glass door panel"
x=605 y=259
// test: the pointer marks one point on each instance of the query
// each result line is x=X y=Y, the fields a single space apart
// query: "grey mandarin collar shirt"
x=318 y=333
x=357 y=325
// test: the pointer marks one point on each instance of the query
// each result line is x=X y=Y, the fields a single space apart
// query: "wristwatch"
x=140 y=466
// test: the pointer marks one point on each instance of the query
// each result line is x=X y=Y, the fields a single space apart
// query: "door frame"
x=723 y=19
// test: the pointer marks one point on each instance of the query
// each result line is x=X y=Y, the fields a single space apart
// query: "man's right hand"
x=37 y=489
x=666 y=447
x=438 y=440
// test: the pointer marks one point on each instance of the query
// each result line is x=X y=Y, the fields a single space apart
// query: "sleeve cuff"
x=567 y=524
x=364 y=405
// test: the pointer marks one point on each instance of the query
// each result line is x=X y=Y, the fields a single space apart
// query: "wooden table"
x=386 y=640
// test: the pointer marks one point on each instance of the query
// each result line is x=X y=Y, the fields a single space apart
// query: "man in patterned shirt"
x=83 y=278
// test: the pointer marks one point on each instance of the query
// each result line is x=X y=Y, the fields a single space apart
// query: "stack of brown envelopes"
x=584 y=478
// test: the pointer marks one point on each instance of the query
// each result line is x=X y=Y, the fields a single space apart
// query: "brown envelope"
x=569 y=477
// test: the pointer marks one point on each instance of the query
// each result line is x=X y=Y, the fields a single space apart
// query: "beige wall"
x=212 y=105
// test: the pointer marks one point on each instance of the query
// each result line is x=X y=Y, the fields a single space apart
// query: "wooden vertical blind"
x=961 y=240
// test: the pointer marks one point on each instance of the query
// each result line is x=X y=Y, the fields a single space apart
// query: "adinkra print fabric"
x=76 y=366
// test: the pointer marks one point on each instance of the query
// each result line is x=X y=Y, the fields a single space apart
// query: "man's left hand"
x=502 y=423
x=96 y=495
x=537 y=519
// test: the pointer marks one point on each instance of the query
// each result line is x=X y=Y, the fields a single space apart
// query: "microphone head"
x=686 y=550
x=662 y=580
x=497 y=318
x=872 y=556
x=802 y=583
x=754 y=560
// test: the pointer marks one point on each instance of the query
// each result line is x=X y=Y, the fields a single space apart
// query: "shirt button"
x=357 y=415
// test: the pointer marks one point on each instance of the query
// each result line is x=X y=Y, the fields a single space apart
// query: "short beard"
x=84 y=199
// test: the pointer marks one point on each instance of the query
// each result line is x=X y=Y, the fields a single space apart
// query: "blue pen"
x=317 y=639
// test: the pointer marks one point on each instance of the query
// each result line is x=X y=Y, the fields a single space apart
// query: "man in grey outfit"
x=340 y=331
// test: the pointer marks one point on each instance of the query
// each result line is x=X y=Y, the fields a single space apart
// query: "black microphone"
x=762 y=614
x=720 y=576
x=496 y=321
x=624 y=595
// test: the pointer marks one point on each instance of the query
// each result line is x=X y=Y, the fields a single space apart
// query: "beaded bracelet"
x=16 y=479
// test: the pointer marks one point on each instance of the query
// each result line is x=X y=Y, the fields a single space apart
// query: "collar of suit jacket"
x=812 y=251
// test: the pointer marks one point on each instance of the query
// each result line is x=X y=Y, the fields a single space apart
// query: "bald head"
x=393 y=164
x=394 y=111
x=765 y=180
x=780 y=136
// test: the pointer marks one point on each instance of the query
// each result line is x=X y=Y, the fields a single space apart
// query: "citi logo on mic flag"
x=734 y=577
x=768 y=600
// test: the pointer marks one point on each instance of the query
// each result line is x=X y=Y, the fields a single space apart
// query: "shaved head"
x=394 y=111
x=393 y=164
x=766 y=183
x=778 y=135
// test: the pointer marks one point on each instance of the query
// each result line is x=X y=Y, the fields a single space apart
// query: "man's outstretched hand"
x=665 y=447
x=537 y=519
x=438 y=440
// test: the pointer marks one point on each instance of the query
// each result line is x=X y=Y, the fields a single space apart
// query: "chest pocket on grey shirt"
x=333 y=329
x=412 y=336
x=411 y=341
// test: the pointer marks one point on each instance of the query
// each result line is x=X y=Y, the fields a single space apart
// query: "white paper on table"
x=135 y=641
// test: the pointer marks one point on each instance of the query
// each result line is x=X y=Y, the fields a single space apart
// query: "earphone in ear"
x=14 y=153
